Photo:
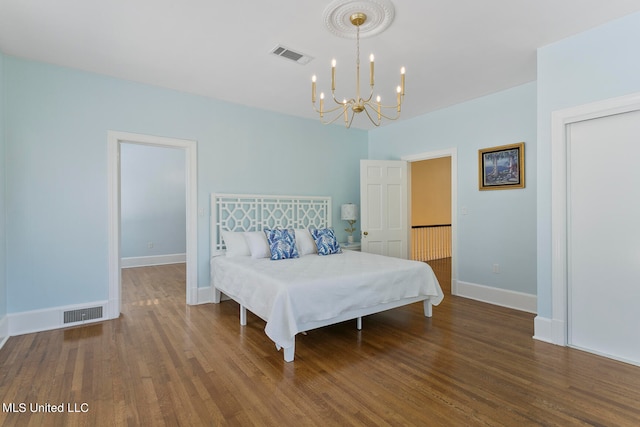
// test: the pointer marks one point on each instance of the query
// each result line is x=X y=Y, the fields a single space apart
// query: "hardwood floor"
x=165 y=363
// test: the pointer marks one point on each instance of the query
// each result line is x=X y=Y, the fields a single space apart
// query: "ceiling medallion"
x=337 y=17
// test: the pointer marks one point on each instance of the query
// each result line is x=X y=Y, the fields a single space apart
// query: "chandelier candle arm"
x=323 y=111
x=346 y=112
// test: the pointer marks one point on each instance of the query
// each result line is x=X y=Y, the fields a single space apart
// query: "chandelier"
x=375 y=110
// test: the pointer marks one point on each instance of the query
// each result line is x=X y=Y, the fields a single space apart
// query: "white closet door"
x=604 y=236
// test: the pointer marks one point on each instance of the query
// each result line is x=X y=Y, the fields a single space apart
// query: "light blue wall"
x=152 y=201
x=56 y=144
x=3 y=239
x=598 y=64
x=500 y=227
x=53 y=130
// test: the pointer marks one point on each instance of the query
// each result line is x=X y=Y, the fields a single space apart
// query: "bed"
x=308 y=291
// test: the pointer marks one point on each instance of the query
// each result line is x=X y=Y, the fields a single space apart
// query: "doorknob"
x=366 y=233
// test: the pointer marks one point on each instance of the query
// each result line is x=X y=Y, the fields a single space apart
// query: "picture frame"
x=502 y=167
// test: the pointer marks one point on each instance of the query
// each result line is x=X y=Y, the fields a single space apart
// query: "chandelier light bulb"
x=333 y=75
x=313 y=88
x=371 y=70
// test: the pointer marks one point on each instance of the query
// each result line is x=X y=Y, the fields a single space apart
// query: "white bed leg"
x=428 y=308
x=359 y=323
x=216 y=296
x=289 y=352
x=243 y=315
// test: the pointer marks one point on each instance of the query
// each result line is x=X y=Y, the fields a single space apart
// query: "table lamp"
x=349 y=213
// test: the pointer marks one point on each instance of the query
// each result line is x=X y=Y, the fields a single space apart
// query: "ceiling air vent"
x=285 y=52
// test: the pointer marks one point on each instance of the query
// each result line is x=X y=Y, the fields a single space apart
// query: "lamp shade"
x=349 y=212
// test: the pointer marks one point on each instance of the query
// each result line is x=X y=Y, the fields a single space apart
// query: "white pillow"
x=305 y=243
x=235 y=243
x=258 y=244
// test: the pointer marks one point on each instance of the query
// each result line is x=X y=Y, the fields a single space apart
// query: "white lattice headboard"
x=254 y=212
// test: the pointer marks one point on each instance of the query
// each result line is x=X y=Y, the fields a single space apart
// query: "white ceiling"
x=453 y=50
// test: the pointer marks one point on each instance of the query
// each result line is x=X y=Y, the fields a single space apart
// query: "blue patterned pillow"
x=282 y=243
x=326 y=241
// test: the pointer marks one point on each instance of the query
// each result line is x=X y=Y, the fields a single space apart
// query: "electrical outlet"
x=150 y=245
x=496 y=268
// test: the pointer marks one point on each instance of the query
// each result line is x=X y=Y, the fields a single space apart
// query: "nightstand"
x=350 y=247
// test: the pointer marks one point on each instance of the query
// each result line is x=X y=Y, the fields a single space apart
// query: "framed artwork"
x=501 y=168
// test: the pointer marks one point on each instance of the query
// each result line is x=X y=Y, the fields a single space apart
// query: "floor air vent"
x=82 y=314
x=292 y=55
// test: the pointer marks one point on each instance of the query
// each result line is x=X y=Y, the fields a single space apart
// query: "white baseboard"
x=27 y=322
x=550 y=330
x=4 y=330
x=47 y=319
x=205 y=295
x=146 y=261
x=543 y=329
x=502 y=297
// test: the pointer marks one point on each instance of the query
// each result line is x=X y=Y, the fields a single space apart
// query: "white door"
x=384 y=207
x=604 y=236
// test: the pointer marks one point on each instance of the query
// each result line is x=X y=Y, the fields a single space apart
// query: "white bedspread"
x=289 y=293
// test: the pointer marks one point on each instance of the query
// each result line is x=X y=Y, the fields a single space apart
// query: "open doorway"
x=115 y=143
x=152 y=205
x=431 y=216
x=433 y=212
x=152 y=222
